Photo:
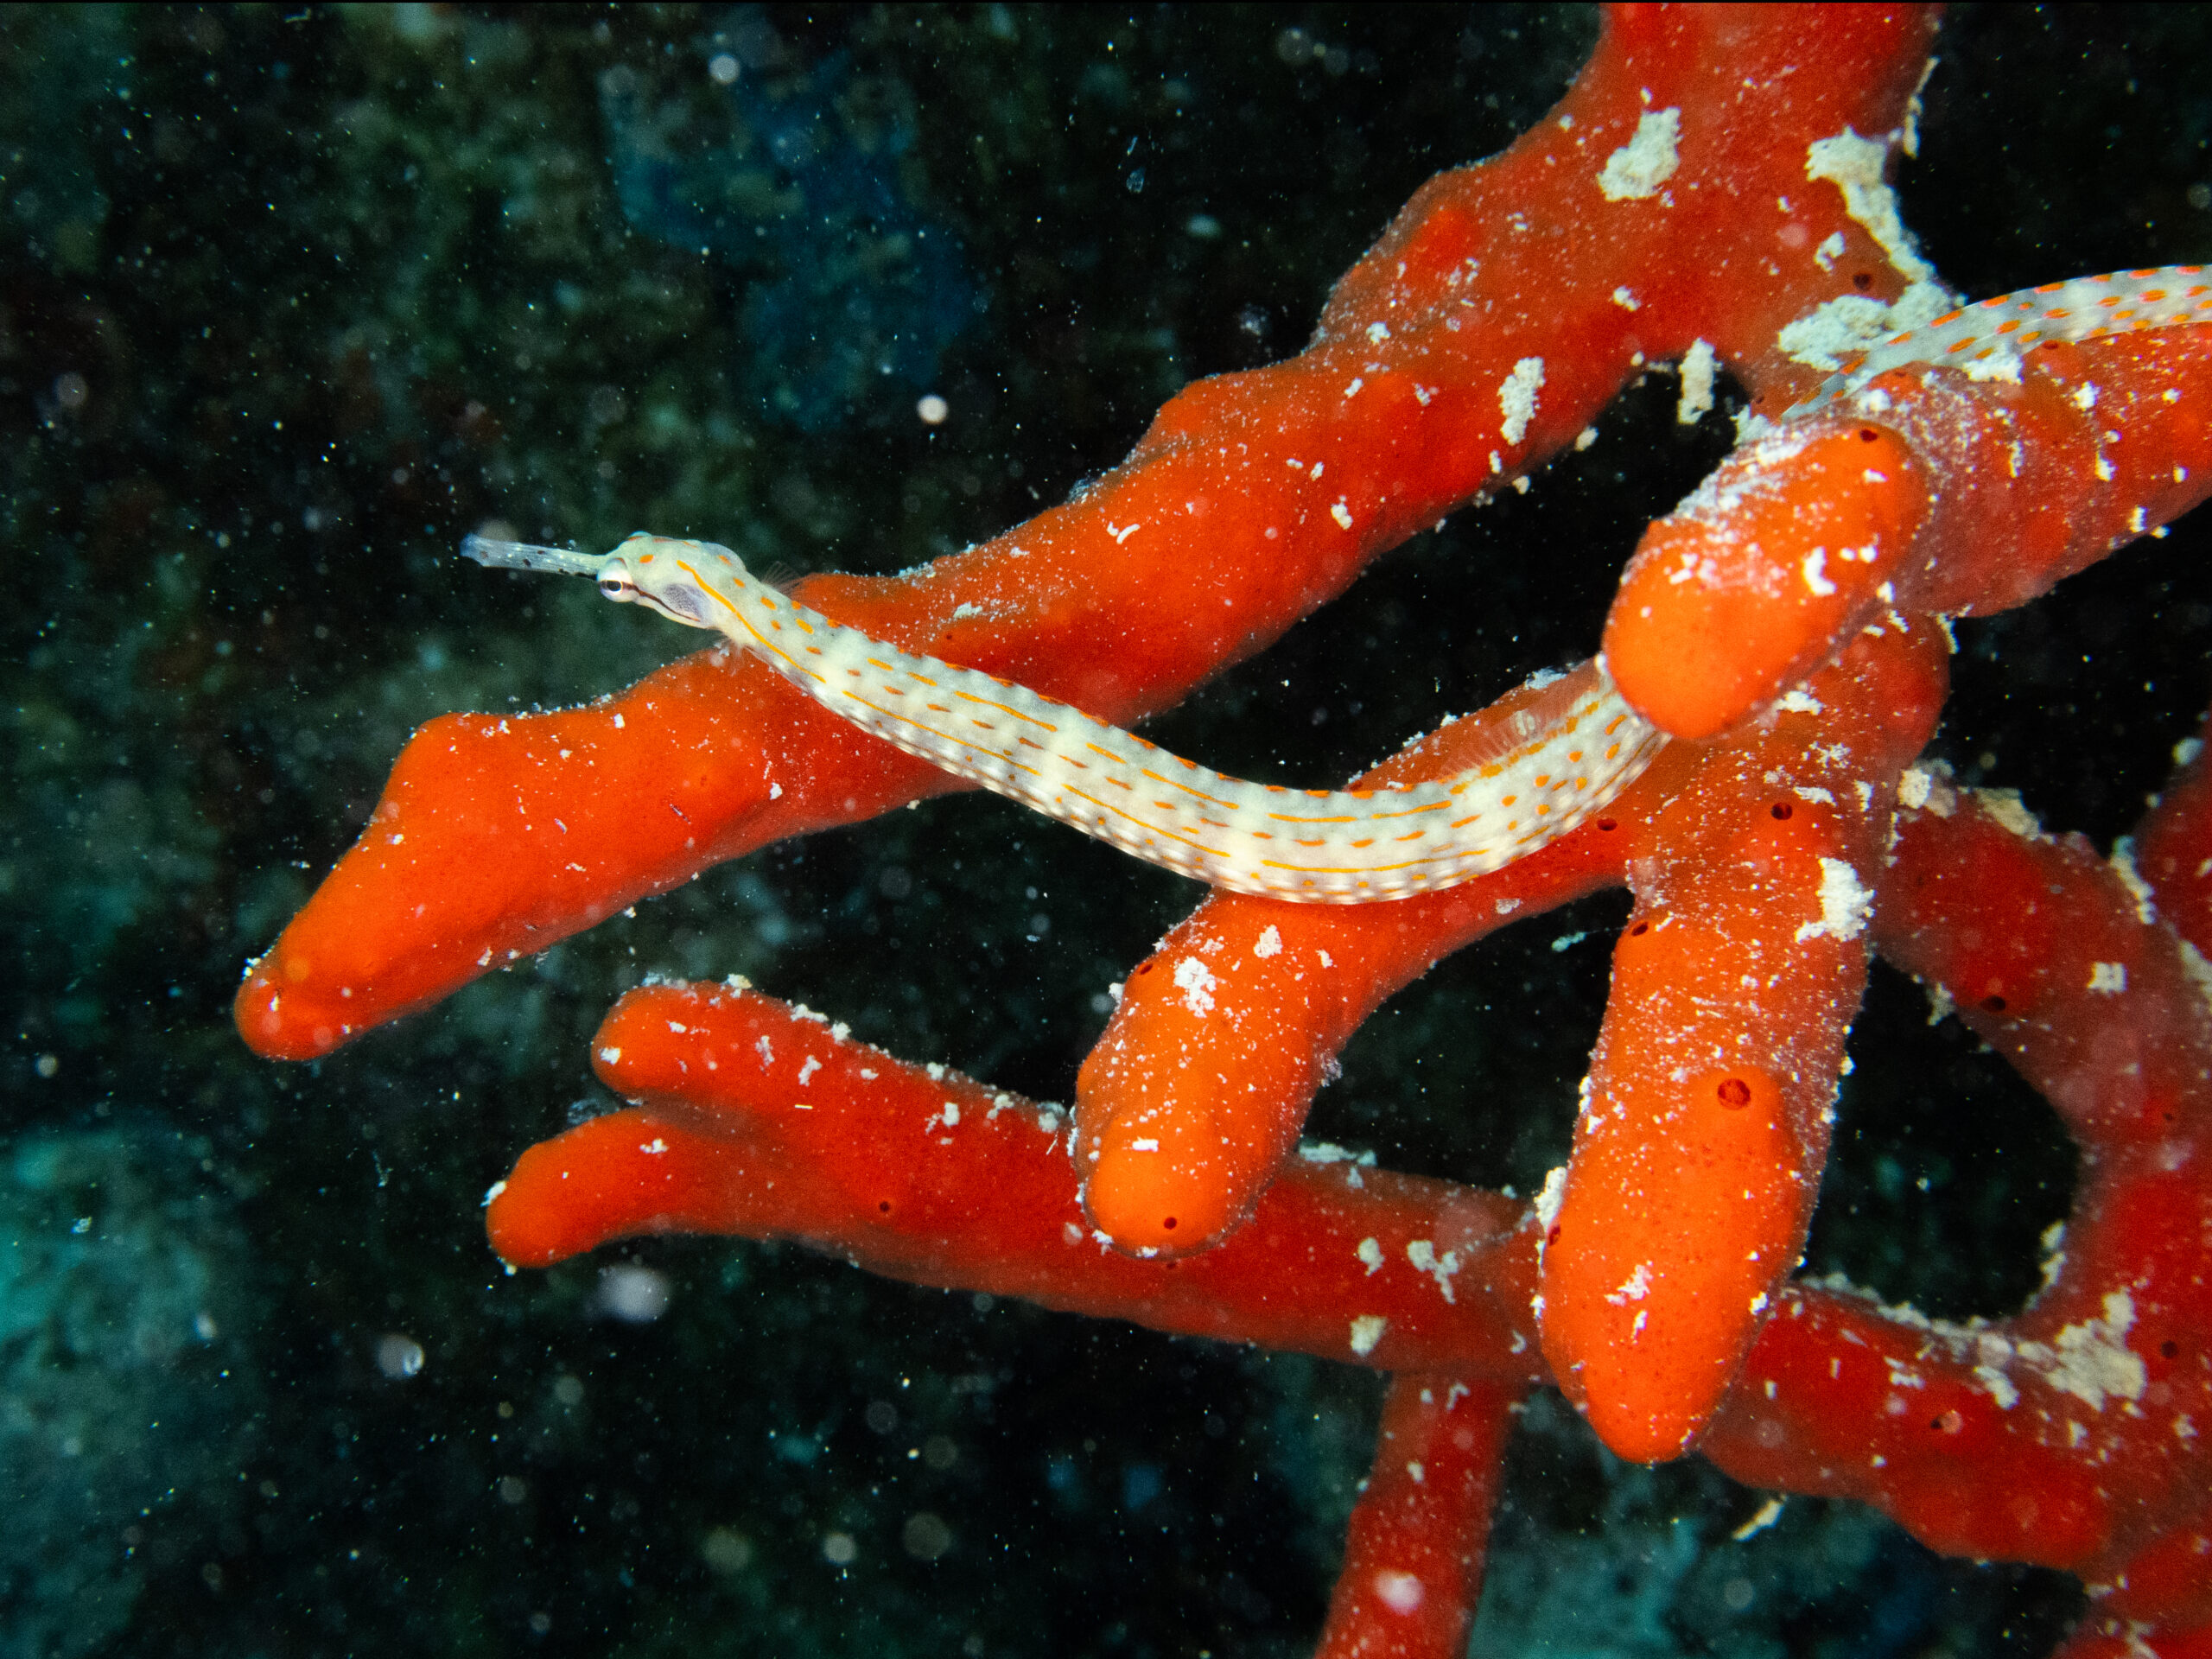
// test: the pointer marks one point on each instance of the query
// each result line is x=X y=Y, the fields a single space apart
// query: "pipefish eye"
x=615 y=583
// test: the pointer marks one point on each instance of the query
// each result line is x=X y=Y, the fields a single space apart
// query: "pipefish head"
x=679 y=579
x=695 y=583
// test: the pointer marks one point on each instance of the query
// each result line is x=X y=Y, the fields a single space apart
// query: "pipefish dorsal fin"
x=1527 y=714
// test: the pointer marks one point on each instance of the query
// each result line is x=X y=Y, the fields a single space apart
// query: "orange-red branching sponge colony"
x=1478 y=337
x=1474 y=338
x=1705 y=189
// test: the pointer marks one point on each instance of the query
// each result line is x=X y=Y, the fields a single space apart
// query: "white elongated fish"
x=1574 y=748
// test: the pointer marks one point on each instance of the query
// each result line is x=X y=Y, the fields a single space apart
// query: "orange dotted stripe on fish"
x=1986 y=339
